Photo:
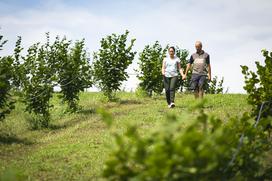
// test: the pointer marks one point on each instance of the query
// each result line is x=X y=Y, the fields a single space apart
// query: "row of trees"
x=62 y=63
x=32 y=77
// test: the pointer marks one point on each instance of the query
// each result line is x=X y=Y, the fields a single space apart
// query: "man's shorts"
x=197 y=81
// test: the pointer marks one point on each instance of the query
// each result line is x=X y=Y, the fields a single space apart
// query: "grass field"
x=76 y=146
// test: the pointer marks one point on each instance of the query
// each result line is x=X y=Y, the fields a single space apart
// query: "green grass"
x=76 y=146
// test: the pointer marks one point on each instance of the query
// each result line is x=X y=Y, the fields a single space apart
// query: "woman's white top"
x=171 y=66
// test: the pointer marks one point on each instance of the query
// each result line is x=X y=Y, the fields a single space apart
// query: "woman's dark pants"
x=170 y=87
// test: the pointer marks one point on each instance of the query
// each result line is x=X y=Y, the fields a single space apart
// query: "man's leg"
x=194 y=84
x=201 y=92
x=166 y=82
x=201 y=83
x=197 y=93
x=173 y=83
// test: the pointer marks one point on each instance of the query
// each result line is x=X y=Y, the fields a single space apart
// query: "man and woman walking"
x=200 y=63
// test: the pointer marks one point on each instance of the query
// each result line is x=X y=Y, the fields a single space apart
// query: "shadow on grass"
x=126 y=102
x=87 y=111
x=72 y=122
x=11 y=139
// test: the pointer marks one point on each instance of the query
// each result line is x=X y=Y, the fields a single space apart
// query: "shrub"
x=205 y=150
x=110 y=63
x=150 y=63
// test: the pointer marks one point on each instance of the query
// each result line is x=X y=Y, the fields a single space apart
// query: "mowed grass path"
x=77 y=145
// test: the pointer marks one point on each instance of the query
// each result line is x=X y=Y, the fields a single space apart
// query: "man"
x=201 y=67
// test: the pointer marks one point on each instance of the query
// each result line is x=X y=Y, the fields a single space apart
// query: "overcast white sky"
x=233 y=32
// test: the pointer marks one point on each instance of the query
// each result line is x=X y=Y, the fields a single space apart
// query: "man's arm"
x=191 y=61
x=187 y=69
x=209 y=72
x=209 y=68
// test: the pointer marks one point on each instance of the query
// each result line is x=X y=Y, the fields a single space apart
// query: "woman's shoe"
x=172 y=105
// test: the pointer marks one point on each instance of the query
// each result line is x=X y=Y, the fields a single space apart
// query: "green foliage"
x=259 y=84
x=38 y=82
x=18 y=67
x=214 y=87
x=204 y=150
x=110 y=63
x=182 y=54
x=106 y=116
x=73 y=71
x=150 y=63
x=45 y=66
x=140 y=92
x=6 y=75
x=2 y=42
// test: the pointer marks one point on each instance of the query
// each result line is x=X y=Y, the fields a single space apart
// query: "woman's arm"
x=163 y=67
x=187 y=69
x=180 y=70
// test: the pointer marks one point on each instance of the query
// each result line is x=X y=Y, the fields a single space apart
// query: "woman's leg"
x=166 y=82
x=173 y=83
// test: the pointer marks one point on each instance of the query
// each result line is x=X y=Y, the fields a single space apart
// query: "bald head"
x=198 y=46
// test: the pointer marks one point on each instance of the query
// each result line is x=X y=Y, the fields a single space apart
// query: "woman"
x=170 y=67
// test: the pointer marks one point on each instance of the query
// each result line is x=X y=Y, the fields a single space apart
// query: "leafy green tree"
x=48 y=65
x=38 y=83
x=74 y=71
x=110 y=63
x=6 y=75
x=150 y=63
x=18 y=67
x=259 y=84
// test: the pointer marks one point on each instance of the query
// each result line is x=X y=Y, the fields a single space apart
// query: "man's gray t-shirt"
x=200 y=62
